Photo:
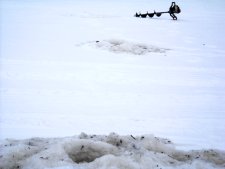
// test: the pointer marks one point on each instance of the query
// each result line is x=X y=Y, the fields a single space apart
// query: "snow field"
x=142 y=76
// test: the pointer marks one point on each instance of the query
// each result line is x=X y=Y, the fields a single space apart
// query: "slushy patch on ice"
x=102 y=151
x=122 y=46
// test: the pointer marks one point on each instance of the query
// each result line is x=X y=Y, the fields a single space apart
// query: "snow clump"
x=104 y=152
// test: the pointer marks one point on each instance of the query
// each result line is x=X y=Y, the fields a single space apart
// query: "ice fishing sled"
x=174 y=9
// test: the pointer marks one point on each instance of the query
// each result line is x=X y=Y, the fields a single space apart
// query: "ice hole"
x=87 y=151
x=88 y=155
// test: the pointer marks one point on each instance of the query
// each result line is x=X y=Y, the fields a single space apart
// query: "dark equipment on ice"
x=174 y=9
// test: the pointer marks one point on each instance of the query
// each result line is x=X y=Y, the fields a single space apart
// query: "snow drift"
x=101 y=151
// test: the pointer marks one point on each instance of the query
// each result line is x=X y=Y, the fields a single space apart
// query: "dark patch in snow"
x=122 y=46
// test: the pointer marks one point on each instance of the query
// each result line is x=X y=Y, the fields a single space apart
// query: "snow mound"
x=102 y=151
x=122 y=46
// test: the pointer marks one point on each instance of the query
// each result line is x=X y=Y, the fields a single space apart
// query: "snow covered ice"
x=68 y=67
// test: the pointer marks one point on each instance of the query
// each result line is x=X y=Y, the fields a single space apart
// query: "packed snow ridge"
x=101 y=151
x=123 y=46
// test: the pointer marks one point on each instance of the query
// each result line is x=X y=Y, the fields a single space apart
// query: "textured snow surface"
x=104 y=152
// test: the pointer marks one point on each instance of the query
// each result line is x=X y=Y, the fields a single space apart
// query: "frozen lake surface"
x=68 y=67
